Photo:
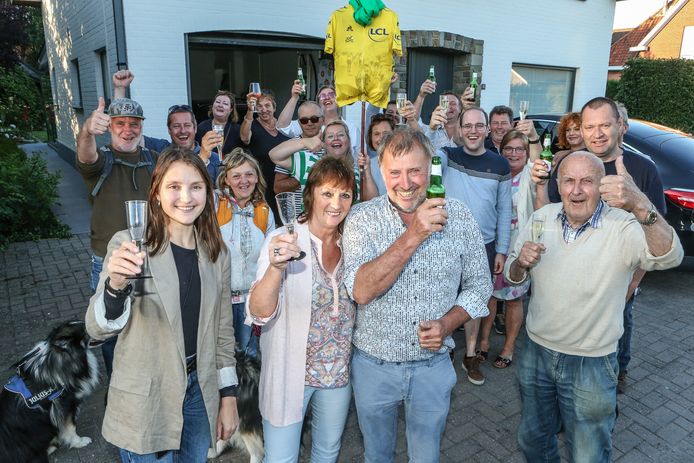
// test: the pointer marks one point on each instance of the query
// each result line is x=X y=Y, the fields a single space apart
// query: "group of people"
x=360 y=297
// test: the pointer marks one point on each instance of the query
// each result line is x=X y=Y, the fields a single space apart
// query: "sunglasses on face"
x=177 y=108
x=306 y=120
x=326 y=96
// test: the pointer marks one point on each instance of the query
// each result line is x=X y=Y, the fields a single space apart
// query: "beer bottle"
x=300 y=78
x=436 y=189
x=473 y=84
x=546 y=154
x=432 y=73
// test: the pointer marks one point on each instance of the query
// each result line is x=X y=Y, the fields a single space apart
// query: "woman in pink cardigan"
x=307 y=319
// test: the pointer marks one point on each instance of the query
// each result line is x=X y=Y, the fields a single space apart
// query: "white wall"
x=569 y=33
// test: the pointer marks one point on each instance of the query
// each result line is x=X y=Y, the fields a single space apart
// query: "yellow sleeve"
x=397 y=44
x=330 y=35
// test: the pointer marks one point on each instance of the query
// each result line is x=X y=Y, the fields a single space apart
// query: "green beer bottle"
x=432 y=73
x=473 y=84
x=436 y=189
x=300 y=78
x=546 y=155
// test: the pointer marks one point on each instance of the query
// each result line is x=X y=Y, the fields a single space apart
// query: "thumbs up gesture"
x=97 y=123
x=620 y=190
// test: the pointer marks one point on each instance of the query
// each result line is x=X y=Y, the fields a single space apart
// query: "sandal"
x=502 y=362
x=482 y=355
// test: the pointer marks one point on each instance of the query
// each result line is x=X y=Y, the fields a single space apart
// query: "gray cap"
x=125 y=107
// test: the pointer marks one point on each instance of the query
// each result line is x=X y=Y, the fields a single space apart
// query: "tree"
x=14 y=39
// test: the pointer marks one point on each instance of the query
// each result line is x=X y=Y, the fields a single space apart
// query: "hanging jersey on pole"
x=363 y=55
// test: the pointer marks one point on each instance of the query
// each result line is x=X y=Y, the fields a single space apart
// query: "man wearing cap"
x=117 y=172
x=182 y=126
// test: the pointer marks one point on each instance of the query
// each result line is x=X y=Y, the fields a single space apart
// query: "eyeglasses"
x=513 y=149
x=306 y=120
x=326 y=96
x=178 y=108
x=469 y=127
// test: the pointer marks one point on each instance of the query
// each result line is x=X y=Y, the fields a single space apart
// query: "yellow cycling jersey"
x=363 y=55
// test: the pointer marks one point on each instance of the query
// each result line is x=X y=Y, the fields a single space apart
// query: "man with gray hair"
x=114 y=173
x=581 y=255
x=417 y=269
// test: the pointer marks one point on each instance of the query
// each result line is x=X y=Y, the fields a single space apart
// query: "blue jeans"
x=195 y=437
x=109 y=346
x=578 y=392
x=245 y=340
x=624 y=346
x=329 y=408
x=379 y=388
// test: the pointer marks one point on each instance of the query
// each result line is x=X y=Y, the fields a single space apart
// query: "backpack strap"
x=260 y=216
x=106 y=170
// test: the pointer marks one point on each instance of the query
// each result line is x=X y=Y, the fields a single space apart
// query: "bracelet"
x=534 y=142
x=118 y=292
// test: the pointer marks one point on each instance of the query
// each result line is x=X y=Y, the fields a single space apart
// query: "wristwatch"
x=118 y=292
x=534 y=142
x=651 y=217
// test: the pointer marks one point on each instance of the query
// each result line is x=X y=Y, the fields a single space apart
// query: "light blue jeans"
x=245 y=340
x=195 y=437
x=578 y=392
x=425 y=388
x=329 y=409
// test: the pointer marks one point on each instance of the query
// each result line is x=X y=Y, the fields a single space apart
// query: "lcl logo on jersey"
x=378 y=34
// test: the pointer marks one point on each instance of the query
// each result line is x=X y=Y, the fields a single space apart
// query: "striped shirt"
x=570 y=234
x=449 y=268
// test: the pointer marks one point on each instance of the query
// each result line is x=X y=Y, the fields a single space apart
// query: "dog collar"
x=41 y=398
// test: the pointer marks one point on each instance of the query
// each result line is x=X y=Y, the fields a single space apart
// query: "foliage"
x=21 y=103
x=612 y=89
x=13 y=36
x=27 y=192
x=659 y=91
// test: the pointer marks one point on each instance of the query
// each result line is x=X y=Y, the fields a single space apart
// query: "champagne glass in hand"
x=287 y=206
x=136 y=214
x=538 y=229
x=219 y=130
x=400 y=102
x=254 y=91
x=523 y=109
x=443 y=102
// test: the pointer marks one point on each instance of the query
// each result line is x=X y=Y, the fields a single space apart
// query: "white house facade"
x=553 y=53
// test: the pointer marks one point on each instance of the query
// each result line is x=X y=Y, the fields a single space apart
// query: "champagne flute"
x=523 y=109
x=443 y=102
x=287 y=207
x=219 y=130
x=136 y=214
x=401 y=101
x=254 y=92
x=538 y=229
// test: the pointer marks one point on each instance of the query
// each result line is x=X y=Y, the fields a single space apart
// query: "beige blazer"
x=148 y=384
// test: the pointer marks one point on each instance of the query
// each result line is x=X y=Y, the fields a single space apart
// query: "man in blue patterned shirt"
x=417 y=269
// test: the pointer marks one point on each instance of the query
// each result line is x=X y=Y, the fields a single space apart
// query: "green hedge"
x=659 y=91
x=27 y=192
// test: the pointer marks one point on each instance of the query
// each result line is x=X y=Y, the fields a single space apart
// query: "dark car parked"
x=672 y=152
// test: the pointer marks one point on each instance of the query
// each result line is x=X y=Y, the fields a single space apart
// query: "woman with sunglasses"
x=244 y=220
x=261 y=135
x=516 y=149
x=222 y=112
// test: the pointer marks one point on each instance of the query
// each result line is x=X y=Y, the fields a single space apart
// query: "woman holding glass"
x=222 y=114
x=244 y=219
x=515 y=148
x=173 y=386
x=307 y=318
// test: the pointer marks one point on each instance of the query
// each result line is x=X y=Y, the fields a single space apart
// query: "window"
x=102 y=77
x=75 y=84
x=419 y=60
x=687 y=50
x=548 y=89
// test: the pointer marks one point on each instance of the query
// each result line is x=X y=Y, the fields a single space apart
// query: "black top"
x=189 y=292
x=232 y=135
x=261 y=144
x=643 y=170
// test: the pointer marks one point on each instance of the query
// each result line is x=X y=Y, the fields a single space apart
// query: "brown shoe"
x=622 y=382
x=472 y=366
